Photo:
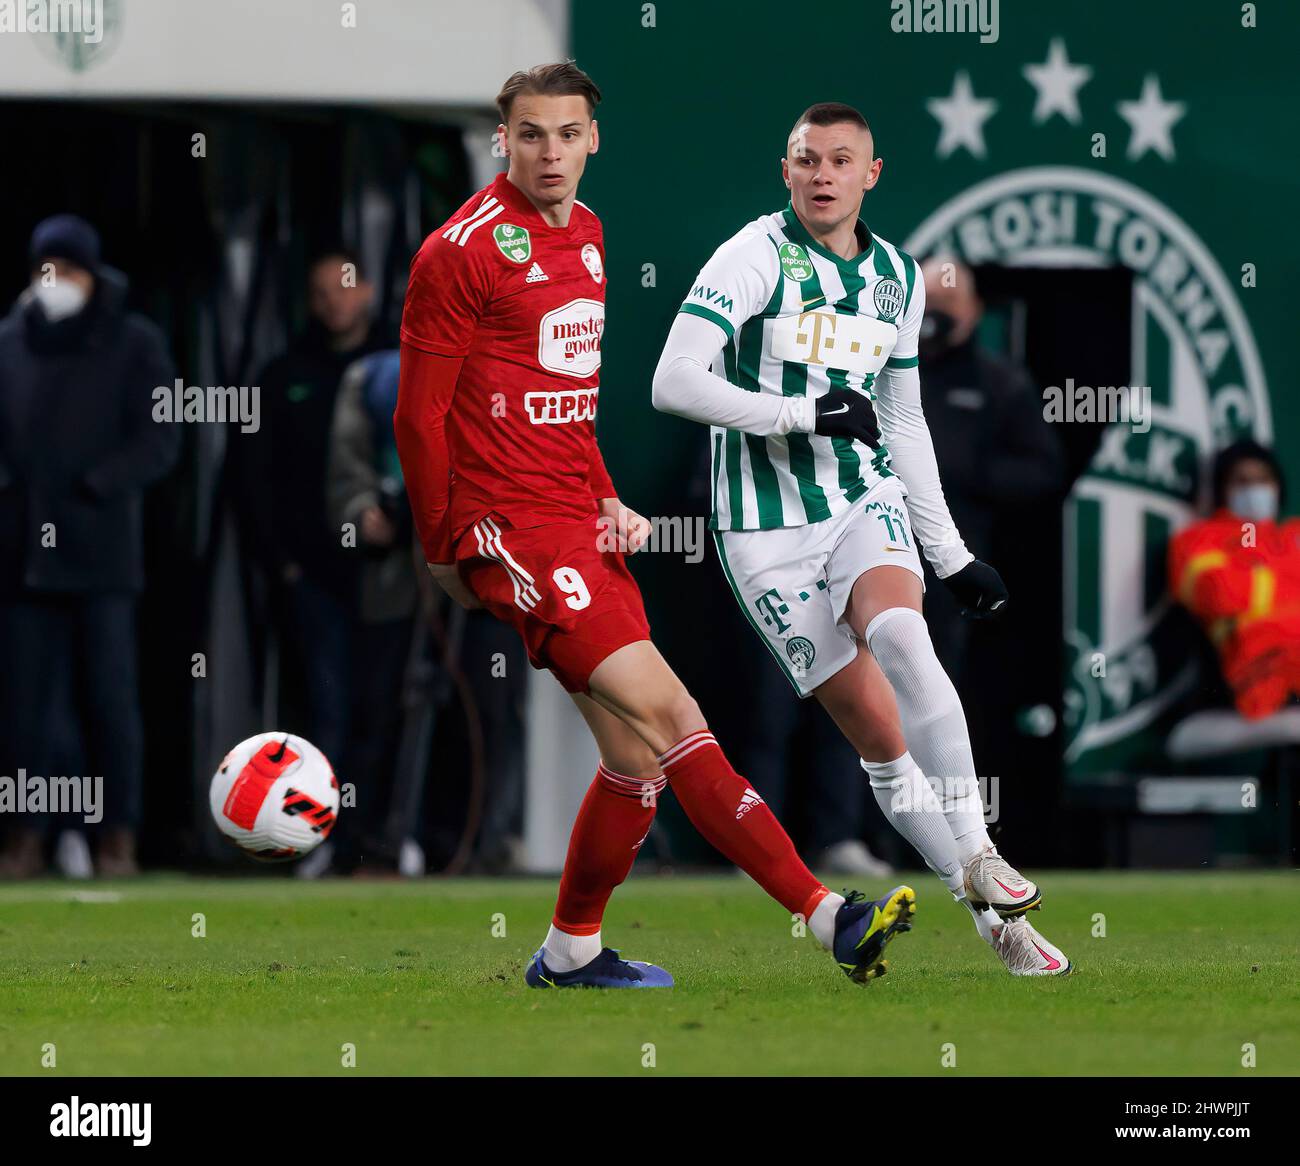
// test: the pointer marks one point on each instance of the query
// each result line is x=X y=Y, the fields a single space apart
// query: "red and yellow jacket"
x=1241 y=579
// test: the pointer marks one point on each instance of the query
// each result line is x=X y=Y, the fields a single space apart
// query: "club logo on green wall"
x=1193 y=346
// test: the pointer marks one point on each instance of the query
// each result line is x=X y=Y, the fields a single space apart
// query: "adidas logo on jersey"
x=748 y=800
x=535 y=274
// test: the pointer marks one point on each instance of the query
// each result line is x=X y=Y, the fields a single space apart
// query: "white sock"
x=822 y=923
x=909 y=803
x=975 y=839
x=934 y=724
x=568 y=953
x=985 y=919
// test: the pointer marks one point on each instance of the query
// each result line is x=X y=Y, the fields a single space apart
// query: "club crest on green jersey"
x=801 y=651
x=888 y=297
x=514 y=242
x=795 y=262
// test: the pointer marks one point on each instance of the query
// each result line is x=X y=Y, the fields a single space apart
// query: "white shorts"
x=793 y=583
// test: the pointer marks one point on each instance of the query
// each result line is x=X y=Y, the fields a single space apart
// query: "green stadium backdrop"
x=1197 y=180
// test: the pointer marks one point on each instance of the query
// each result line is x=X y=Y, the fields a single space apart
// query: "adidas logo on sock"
x=536 y=274
x=748 y=800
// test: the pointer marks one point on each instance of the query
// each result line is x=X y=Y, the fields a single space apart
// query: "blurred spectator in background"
x=830 y=792
x=496 y=668
x=792 y=753
x=365 y=489
x=480 y=690
x=489 y=662
x=995 y=450
x=1238 y=573
x=78 y=445
x=279 y=476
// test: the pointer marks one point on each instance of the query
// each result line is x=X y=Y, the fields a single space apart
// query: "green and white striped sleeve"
x=902 y=422
x=909 y=324
x=736 y=282
x=735 y=285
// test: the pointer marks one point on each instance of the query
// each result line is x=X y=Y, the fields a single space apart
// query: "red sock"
x=734 y=819
x=611 y=825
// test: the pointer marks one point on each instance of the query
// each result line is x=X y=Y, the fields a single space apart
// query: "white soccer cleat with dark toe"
x=991 y=881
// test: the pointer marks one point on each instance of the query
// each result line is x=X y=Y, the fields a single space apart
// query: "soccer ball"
x=275 y=796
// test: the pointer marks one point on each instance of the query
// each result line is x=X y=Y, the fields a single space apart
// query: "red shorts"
x=571 y=603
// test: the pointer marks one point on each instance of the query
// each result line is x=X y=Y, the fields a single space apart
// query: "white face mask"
x=59 y=300
x=1258 y=501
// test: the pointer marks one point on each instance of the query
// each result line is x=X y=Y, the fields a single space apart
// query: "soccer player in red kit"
x=495 y=425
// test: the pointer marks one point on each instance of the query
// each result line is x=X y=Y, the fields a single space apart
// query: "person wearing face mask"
x=998 y=454
x=78 y=447
x=1238 y=573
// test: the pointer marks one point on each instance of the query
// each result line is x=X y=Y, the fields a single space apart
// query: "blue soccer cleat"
x=605 y=971
x=864 y=928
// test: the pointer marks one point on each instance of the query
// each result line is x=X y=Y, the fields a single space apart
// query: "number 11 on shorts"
x=891 y=525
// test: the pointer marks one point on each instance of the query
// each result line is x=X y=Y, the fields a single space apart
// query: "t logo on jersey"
x=857 y=344
x=771 y=608
x=561 y=407
x=568 y=339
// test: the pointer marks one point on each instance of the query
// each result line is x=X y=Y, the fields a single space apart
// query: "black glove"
x=846 y=413
x=980 y=591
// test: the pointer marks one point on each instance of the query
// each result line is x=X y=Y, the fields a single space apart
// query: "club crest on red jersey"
x=591 y=260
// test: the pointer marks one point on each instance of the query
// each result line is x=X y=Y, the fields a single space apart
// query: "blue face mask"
x=1258 y=502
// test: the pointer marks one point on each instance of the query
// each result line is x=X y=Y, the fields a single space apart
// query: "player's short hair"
x=830 y=113
x=562 y=79
x=338 y=252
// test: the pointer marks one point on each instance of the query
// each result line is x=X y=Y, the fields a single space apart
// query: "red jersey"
x=1246 y=593
x=523 y=303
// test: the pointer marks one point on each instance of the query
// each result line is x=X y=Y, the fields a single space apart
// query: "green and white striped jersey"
x=798 y=320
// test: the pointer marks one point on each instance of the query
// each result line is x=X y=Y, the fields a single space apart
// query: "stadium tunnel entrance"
x=212 y=210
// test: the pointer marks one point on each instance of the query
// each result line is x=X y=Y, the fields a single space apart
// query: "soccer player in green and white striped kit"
x=797 y=345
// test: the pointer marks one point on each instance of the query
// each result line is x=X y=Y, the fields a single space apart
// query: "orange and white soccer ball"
x=275 y=796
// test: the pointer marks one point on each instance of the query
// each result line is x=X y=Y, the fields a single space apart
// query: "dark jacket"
x=995 y=450
x=78 y=442
x=280 y=471
x=364 y=471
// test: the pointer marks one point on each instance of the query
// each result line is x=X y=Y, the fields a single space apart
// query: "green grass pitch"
x=1192 y=967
